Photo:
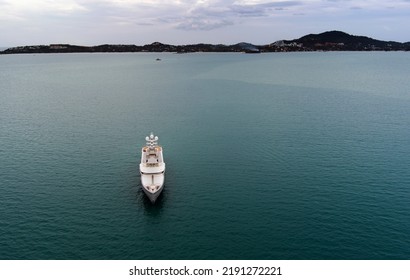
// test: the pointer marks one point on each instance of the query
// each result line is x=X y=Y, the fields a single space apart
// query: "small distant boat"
x=152 y=168
x=252 y=51
x=158 y=59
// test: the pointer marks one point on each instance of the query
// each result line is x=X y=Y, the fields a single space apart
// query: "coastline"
x=327 y=41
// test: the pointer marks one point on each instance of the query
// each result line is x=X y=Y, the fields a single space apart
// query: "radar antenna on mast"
x=152 y=141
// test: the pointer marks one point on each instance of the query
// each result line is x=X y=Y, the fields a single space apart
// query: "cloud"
x=262 y=9
x=141 y=13
x=209 y=15
x=31 y=7
x=184 y=14
x=196 y=23
x=96 y=20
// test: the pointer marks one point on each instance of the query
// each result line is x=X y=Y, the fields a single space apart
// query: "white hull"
x=152 y=169
x=152 y=183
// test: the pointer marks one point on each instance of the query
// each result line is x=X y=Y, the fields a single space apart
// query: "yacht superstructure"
x=152 y=168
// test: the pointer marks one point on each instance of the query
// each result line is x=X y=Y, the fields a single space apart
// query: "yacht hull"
x=152 y=185
x=152 y=196
x=152 y=168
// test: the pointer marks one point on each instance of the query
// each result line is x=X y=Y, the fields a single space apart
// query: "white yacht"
x=152 y=168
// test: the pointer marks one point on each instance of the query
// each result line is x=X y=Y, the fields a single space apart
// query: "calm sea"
x=269 y=156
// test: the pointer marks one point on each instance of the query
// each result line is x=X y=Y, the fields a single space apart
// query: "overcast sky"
x=93 y=22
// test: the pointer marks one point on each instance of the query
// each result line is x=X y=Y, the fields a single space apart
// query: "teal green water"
x=270 y=156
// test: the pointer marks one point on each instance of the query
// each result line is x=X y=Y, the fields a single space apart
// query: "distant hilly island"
x=327 y=41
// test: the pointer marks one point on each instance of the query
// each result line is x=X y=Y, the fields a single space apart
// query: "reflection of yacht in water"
x=152 y=168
